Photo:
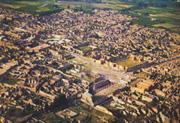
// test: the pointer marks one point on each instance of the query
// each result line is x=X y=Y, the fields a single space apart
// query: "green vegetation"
x=84 y=48
x=164 y=56
x=161 y=98
x=50 y=117
x=127 y=63
x=31 y=6
x=18 y=112
x=58 y=101
x=90 y=114
x=96 y=25
x=15 y=112
x=151 y=13
x=86 y=8
x=142 y=74
x=43 y=7
x=151 y=104
x=155 y=13
x=88 y=5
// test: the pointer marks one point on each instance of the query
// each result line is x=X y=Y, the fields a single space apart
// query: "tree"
x=5 y=21
x=81 y=8
x=68 y=7
x=58 y=101
x=46 y=107
x=141 y=4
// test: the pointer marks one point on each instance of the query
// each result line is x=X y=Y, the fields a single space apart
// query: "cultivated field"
x=150 y=16
x=32 y=7
x=11 y=6
x=167 y=18
x=105 y=5
x=165 y=25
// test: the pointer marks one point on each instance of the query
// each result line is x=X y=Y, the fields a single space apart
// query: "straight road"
x=113 y=74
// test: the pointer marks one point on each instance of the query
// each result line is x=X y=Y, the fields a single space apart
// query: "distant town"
x=75 y=67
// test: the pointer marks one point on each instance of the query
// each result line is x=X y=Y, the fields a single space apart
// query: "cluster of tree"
x=51 y=12
x=86 y=9
x=176 y=4
x=58 y=101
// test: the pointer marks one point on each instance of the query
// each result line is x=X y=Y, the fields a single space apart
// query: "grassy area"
x=18 y=112
x=84 y=48
x=15 y=112
x=162 y=14
x=104 y=5
x=126 y=6
x=11 y=6
x=92 y=115
x=167 y=18
x=165 y=25
x=32 y=7
x=127 y=63
x=50 y=6
x=51 y=117
x=108 y=6
x=142 y=74
x=176 y=29
x=96 y=25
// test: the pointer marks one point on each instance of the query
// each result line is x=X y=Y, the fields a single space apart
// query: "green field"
x=157 y=17
x=127 y=63
x=51 y=117
x=31 y=6
x=160 y=13
x=142 y=74
x=116 y=5
x=84 y=48
x=50 y=6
